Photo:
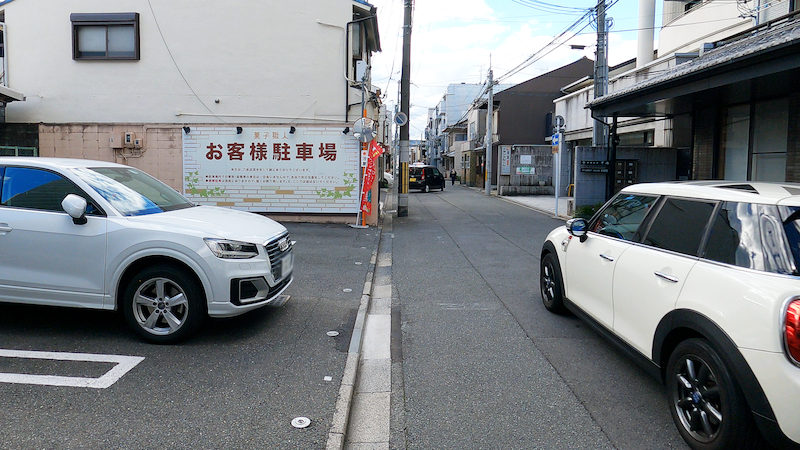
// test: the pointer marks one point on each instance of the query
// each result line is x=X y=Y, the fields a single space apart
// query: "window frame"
x=104 y=20
x=99 y=211
x=643 y=225
x=654 y=213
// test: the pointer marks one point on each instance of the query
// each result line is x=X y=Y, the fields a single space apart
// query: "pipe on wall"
x=644 y=44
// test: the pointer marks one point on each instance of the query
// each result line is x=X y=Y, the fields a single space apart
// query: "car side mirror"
x=75 y=206
x=577 y=228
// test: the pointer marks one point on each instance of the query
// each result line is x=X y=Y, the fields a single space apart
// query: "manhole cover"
x=301 y=422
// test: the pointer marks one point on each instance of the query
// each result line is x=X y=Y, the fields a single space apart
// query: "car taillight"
x=792 y=330
x=423 y=175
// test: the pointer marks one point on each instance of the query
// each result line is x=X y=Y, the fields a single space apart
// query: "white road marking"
x=124 y=364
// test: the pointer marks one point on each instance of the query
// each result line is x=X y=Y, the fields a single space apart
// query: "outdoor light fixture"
x=238 y=130
x=186 y=130
x=292 y=129
x=346 y=130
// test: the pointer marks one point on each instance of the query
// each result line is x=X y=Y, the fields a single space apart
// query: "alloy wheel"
x=696 y=398
x=548 y=283
x=160 y=306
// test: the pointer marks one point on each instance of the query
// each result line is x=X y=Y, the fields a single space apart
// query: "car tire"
x=163 y=304
x=551 y=285
x=443 y=185
x=426 y=189
x=705 y=401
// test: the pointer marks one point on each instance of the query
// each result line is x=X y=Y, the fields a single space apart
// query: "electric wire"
x=177 y=67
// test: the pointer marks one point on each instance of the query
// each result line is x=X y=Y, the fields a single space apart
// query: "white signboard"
x=505 y=160
x=525 y=160
x=268 y=169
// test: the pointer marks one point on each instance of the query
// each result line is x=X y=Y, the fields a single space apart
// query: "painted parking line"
x=123 y=365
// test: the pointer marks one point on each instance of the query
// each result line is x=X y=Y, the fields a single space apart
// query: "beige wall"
x=159 y=156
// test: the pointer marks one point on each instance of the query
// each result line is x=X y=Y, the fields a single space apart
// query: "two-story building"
x=717 y=99
x=251 y=105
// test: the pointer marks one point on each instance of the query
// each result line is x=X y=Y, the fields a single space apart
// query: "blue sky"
x=452 y=41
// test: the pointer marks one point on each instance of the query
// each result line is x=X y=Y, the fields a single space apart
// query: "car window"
x=436 y=172
x=622 y=217
x=680 y=225
x=414 y=171
x=27 y=187
x=742 y=234
x=131 y=191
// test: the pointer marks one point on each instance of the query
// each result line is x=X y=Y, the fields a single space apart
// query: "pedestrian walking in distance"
x=453 y=177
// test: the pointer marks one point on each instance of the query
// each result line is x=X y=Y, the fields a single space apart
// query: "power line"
x=158 y=27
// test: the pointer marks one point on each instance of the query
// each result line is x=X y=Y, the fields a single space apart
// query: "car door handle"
x=4 y=228
x=669 y=278
x=606 y=257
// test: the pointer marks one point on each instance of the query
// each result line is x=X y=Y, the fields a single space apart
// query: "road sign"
x=401 y=119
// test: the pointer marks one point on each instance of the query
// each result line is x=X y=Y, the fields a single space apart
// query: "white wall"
x=707 y=22
x=268 y=58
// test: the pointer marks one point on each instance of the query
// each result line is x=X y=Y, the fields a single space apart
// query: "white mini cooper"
x=93 y=234
x=699 y=280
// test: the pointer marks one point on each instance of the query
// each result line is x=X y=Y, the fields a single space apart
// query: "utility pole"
x=599 y=136
x=489 y=123
x=405 y=102
x=600 y=72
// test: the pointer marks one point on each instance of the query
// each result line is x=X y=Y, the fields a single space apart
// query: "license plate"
x=412 y=179
x=286 y=265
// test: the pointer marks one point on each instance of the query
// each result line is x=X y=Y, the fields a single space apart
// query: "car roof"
x=735 y=191
x=55 y=163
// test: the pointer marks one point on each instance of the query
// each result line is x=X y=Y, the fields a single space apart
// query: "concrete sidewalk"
x=542 y=203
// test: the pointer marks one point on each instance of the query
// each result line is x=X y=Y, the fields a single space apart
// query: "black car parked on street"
x=425 y=178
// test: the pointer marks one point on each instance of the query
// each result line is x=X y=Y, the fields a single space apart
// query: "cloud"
x=452 y=40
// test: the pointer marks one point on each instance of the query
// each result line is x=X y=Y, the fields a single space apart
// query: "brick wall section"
x=793 y=141
x=703 y=158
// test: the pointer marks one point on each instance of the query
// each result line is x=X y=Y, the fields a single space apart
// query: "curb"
x=539 y=210
x=344 y=401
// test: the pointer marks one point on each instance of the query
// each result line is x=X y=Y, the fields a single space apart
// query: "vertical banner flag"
x=374 y=151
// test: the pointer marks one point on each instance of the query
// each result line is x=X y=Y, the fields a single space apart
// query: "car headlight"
x=226 y=249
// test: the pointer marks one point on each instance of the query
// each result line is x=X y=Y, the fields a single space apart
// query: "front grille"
x=275 y=254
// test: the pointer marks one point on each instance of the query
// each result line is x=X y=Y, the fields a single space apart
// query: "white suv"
x=94 y=234
x=699 y=281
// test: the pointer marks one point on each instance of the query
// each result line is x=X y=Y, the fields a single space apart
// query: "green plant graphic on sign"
x=192 y=178
x=350 y=181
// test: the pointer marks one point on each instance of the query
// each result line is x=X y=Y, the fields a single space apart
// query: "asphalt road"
x=237 y=384
x=484 y=365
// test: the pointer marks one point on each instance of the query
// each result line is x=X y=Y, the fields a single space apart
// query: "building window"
x=105 y=36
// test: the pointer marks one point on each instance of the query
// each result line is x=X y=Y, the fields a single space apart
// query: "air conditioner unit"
x=137 y=143
x=128 y=139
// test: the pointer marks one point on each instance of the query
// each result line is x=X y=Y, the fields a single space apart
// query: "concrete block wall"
x=159 y=156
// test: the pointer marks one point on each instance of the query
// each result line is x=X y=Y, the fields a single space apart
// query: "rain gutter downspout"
x=5 y=51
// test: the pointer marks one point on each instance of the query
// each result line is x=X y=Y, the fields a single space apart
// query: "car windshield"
x=415 y=171
x=131 y=191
